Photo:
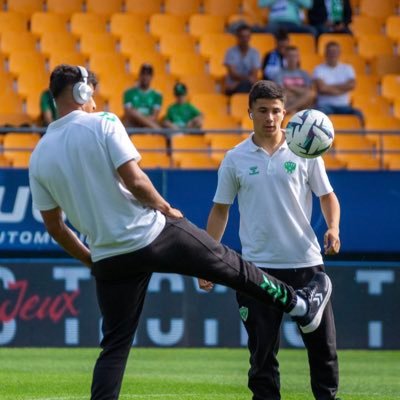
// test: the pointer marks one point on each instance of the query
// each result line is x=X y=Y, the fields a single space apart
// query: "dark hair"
x=242 y=27
x=332 y=43
x=291 y=48
x=67 y=75
x=266 y=90
x=281 y=34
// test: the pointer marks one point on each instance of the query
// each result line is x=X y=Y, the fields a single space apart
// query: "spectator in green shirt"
x=142 y=103
x=48 y=110
x=182 y=114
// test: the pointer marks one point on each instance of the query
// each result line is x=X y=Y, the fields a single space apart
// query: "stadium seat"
x=305 y=42
x=200 y=24
x=154 y=142
x=396 y=108
x=216 y=67
x=345 y=122
x=13 y=22
x=238 y=105
x=26 y=62
x=366 y=85
x=393 y=27
x=211 y=103
x=123 y=23
x=19 y=146
x=247 y=123
x=353 y=142
x=372 y=105
x=385 y=64
x=220 y=143
x=220 y=121
x=14 y=41
x=47 y=22
x=310 y=61
x=111 y=63
x=198 y=83
x=356 y=61
x=365 y=25
x=5 y=162
x=88 y=23
x=161 y=24
x=164 y=83
x=332 y=162
x=133 y=43
x=183 y=8
x=6 y=80
x=263 y=42
x=54 y=42
x=105 y=7
x=157 y=60
x=32 y=83
x=115 y=104
x=346 y=42
x=111 y=85
x=10 y=103
x=224 y=8
x=20 y=159
x=391 y=161
x=194 y=161
x=186 y=63
x=174 y=43
x=61 y=57
x=215 y=44
x=391 y=86
x=259 y=15
x=361 y=162
x=25 y=6
x=370 y=46
x=141 y=7
x=152 y=160
x=91 y=43
x=378 y=9
x=381 y=123
x=65 y=6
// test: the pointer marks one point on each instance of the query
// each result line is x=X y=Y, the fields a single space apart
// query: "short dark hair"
x=281 y=34
x=243 y=27
x=332 y=43
x=146 y=69
x=266 y=90
x=67 y=75
x=289 y=48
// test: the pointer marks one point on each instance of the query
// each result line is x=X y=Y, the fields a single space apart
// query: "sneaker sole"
x=314 y=324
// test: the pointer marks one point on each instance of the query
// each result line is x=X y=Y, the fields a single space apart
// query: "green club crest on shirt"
x=290 y=166
x=244 y=313
x=254 y=170
x=108 y=116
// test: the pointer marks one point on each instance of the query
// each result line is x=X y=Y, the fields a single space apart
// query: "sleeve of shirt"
x=227 y=187
x=119 y=144
x=229 y=57
x=256 y=59
x=318 y=179
x=41 y=197
x=317 y=73
x=195 y=112
x=127 y=100
x=158 y=101
x=350 y=72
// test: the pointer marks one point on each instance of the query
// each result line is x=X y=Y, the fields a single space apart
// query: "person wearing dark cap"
x=182 y=114
x=142 y=103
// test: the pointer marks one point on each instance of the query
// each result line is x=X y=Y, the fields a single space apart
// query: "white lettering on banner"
x=175 y=281
x=375 y=280
x=9 y=328
x=375 y=334
x=30 y=238
x=170 y=338
x=20 y=205
x=211 y=332
x=71 y=331
x=292 y=335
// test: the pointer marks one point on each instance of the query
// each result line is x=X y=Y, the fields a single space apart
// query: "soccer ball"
x=309 y=133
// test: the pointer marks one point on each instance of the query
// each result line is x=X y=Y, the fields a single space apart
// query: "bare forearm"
x=331 y=210
x=216 y=223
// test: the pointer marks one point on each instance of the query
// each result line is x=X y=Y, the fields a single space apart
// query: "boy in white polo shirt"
x=86 y=166
x=274 y=189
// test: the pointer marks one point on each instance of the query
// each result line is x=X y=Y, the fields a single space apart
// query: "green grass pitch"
x=187 y=374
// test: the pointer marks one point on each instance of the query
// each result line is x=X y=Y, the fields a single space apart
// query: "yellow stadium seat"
x=247 y=123
x=54 y=42
x=200 y=24
x=141 y=7
x=19 y=146
x=91 y=43
x=5 y=162
x=25 y=6
x=10 y=103
x=47 y=22
x=111 y=63
x=61 y=57
x=32 y=82
x=391 y=155
x=393 y=27
x=194 y=161
x=65 y=6
x=198 y=83
x=366 y=162
x=353 y=142
x=346 y=42
x=216 y=44
x=26 y=62
x=381 y=123
x=391 y=161
x=372 y=105
x=332 y=162
x=14 y=41
x=370 y=46
x=391 y=86
x=21 y=159
x=88 y=23
x=173 y=43
x=157 y=60
x=123 y=23
x=263 y=42
x=366 y=85
x=186 y=63
x=221 y=143
x=161 y=24
x=6 y=81
x=365 y=25
x=356 y=61
x=239 y=104
x=219 y=121
x=259 y=15
x=12 y=21
x=310 y=61
x=155 y=142
x=216 y=67
x=378 y=9
x=111 y=85
x=396 y=108
x=237 y=19
x=153 y=160
x=305 y=42
x=345 y=122
x=184 y=8
x=211 y=103
x=133 y=43
x=385 y=64
x=224 y=8
x=105 y=7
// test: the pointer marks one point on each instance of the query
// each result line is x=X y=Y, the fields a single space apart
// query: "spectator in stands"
x=242 y=62
x=182 y=114
x=287 y=14
x=296 y=82
x=142 y=103
x=48 y=110
x=274 y=60
x=330 y=16
x=334 y=80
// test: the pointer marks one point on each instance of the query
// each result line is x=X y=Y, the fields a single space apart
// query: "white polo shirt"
x=74 y=167
x=275 y=203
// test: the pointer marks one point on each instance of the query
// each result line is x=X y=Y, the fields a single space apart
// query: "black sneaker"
x=316 y=294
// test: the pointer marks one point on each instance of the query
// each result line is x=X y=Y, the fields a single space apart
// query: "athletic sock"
x=300 y=309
